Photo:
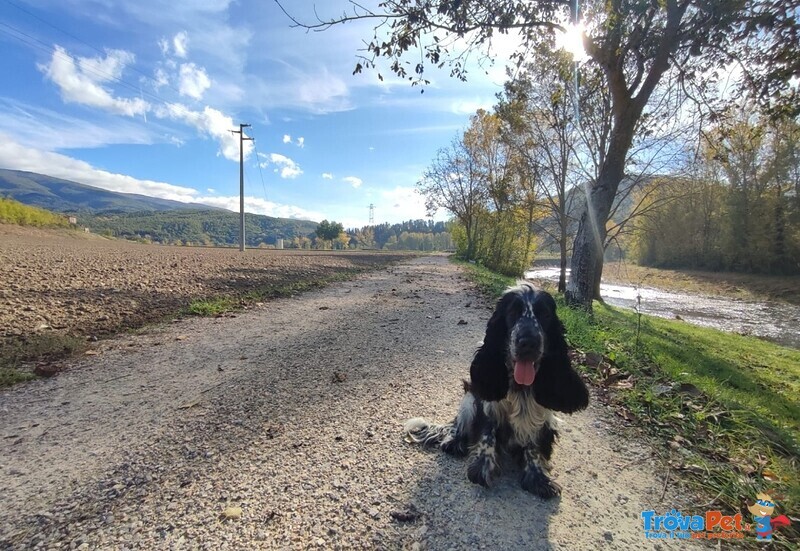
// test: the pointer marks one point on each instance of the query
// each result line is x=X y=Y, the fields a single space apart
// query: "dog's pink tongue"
x=524 y=372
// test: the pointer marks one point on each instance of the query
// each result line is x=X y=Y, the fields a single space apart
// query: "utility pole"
x=241 y=181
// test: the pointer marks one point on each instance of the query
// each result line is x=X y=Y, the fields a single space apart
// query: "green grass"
x=10 y=376
x=488 y=282
x=45 y=347
x=728 y=405
x=14 y=212
x=214 y=306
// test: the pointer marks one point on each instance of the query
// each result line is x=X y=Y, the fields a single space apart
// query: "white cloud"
x=327 y=176
x=403 y=203
x=258 y=205
x=287 y=168
x=470 y=107
x=15 y=156
x=211 y=190
x=80 y=82
x=179 y=43
x=160 y=78
x=164 y=46
x=19 y=157
x=353 y=181
x=193 y=81
x=43 y=128
x=301 y=142
x=107 y=68
x=211 y=122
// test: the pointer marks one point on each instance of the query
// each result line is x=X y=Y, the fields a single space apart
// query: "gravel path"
x=288 y=418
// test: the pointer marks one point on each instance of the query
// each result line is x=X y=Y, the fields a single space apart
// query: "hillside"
x=58 y=195
x=140 y=217
x=196 y=227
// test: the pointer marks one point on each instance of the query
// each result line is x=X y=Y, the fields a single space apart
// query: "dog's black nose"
x=529 y=342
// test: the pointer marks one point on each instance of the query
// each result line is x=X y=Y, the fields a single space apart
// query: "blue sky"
x=140 y=96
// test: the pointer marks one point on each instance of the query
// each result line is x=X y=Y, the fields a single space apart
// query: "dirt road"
x=292 y=412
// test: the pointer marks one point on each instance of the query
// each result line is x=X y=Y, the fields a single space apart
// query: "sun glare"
x=572 y=41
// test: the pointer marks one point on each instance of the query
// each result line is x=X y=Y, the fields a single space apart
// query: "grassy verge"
x=214 y=306
x=43 y=348
x=725 y=406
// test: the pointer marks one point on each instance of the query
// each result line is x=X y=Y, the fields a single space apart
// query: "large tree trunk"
x=598 y=276
x=587 y=252
x=562 y=274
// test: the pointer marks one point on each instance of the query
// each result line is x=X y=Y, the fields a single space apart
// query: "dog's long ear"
x=557 y=385
x=488 y=372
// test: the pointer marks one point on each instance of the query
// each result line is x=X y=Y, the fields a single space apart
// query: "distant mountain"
x=59 y=195
x=132 y=216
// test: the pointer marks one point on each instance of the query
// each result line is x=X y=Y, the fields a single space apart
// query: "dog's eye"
x=543 y=312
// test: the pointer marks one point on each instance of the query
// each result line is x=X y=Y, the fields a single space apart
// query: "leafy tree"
x=328 y=231
x=538 y=117
x=732 y=212
x=454 y=182
x=633 y=44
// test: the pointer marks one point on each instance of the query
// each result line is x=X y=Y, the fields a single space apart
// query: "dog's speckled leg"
x=484 y=467
x=535 y=478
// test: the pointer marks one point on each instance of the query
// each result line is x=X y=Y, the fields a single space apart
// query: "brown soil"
x=58 y=282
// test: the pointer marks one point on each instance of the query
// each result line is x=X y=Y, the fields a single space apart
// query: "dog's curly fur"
x=499 y=414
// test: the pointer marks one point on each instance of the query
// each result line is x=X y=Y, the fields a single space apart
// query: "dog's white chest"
x=525 y=416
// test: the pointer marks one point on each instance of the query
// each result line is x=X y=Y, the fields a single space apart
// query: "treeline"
x=14 y=212
x=413 y=235
x=201 y=227
x=739 y=210
x=221 y=228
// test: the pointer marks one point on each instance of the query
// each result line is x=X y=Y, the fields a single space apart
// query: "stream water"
x=775 y=321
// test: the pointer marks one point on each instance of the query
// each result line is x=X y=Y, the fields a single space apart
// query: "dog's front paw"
x=455 y=446
x=536 y=482
x=482 y=470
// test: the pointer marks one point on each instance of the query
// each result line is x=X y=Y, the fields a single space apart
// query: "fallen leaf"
x=627 y=415
x=689 y=388
x=91 y=353
x=593 y=359
x=769 y=475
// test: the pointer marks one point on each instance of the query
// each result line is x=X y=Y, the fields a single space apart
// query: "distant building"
x=73 y=220
x=279 y=243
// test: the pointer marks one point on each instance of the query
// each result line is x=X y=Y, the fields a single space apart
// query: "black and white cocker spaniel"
x=519 y=376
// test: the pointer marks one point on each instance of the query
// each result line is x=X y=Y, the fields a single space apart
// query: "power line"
x=36 y=43
x=258 y=163
x=77 y=38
